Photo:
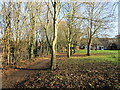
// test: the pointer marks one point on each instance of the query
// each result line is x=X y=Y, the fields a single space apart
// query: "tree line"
x=31 y=29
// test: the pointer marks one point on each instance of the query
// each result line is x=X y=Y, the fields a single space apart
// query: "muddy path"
x=21 y=74
x=9 y=81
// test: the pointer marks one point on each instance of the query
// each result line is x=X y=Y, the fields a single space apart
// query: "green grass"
x=96 y=55
x=98 y=51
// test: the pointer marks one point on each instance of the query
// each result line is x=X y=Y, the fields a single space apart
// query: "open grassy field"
x=100 y=71
x=101 y=55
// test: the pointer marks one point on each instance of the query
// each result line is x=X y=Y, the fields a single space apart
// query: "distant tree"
x=71 y=33
x=118 y=41
x=96 y=21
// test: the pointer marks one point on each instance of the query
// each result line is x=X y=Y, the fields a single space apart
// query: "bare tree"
x=54 y=16
x=71 y=9
x=8 y=35
x=96 y=21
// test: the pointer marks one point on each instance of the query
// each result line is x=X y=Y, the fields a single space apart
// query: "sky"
x=115 y=30
x=112 y=33
x=119 y=18
x=117 y=23
x=62 y=0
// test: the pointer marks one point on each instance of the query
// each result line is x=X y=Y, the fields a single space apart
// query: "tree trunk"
x=53 y=58
x=29 y=48
x=32 y=36
x=35 y=51
x=88 y=47
x=71 y=51
x=9 y=37
x=74 y=49
x=69 y=44
x=32 y=50
x=55 y=28
x=88 y=50
x=68 y=50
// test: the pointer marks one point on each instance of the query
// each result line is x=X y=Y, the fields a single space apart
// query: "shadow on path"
x=32 y=69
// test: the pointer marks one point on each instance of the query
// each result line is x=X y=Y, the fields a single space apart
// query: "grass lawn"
x=98 y=71
x=100 y=56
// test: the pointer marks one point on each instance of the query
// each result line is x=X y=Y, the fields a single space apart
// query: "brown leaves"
x=87 y=75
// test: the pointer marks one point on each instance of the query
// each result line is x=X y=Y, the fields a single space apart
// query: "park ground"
x=100 y=71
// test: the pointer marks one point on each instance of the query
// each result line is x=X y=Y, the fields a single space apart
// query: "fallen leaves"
x=90 y=75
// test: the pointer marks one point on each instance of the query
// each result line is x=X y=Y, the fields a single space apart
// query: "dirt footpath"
x=22 y=74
